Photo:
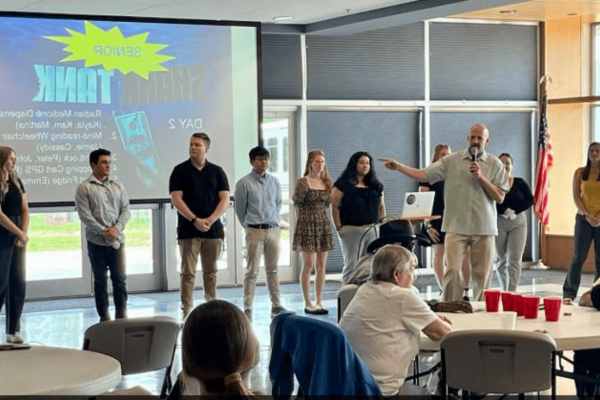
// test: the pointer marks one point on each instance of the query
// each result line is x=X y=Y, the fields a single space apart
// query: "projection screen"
x=138 y=88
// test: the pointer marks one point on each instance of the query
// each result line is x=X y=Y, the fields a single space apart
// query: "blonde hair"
x=325 y=174
x=438 y=149
x=219 y=348
x=5 y=153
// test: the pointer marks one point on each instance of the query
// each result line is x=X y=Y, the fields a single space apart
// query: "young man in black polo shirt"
x=200 y=192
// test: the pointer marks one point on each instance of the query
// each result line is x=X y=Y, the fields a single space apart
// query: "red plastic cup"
x=531 y=305
x=507 y=303
x=552 y=308
x=517 y=304
x=492 y=300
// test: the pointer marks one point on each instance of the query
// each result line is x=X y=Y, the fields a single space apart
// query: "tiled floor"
x=62 y=322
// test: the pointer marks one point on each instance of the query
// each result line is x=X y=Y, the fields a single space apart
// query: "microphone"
x=473 y=150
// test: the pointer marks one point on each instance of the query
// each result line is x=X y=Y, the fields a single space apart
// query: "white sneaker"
x=14 y=338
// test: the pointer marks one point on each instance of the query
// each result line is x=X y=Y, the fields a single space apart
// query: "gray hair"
x=389 y=258
x=480 y=125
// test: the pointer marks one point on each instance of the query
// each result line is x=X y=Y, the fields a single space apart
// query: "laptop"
x=417 y=205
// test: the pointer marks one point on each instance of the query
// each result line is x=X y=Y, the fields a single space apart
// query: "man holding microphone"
x=475 y=182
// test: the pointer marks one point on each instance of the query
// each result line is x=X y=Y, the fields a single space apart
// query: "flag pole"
x=543 y=164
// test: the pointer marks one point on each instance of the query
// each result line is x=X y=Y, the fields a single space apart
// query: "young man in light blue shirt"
x=257 y=205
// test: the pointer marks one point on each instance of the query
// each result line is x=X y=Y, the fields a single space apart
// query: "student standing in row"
x=512 y=228
x=14 y=221
x=257 y=206
x=200 y=193
x=586 y=195
x=103 y=208
x=312 y=236
x=357 y=203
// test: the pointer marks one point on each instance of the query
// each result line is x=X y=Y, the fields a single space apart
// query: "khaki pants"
x=482 y=264
x=210 y=251
x=259 y=241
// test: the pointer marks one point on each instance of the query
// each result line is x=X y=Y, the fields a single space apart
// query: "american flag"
x=544 y=163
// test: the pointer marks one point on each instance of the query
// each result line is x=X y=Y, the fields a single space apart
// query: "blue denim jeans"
x=12 y=278
x=584 y=234
x=105 y=258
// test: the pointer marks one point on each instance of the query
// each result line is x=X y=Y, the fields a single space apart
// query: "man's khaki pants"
x=210 y=251
x=482 y=263
x=259 y=241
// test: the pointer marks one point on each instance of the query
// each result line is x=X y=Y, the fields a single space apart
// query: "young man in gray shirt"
x=103 y=208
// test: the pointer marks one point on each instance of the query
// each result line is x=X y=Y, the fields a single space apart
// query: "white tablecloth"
x=578 y=328
x=57 y=371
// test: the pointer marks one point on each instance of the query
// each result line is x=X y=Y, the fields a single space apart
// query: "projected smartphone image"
x=137 y=141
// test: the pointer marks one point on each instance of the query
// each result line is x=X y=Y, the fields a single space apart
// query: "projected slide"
x=137 y=89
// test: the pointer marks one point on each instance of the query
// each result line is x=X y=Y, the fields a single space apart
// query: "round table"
x=57 y=371
x=578 y=328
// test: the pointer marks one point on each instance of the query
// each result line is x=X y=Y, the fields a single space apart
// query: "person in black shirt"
x=587 y=362
x=512 y=228
x=356 y=204
x=14 y=222
x=200 y=192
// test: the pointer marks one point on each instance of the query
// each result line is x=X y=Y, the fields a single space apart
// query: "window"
x=595 y=81
x=286 y=156
x=138 y=243
x=272 y=147
x=54 y=249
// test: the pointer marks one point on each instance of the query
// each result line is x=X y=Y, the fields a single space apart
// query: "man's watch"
x=433 y=304
x=193 y=220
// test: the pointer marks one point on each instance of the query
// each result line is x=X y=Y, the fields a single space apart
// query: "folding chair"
x=345 y=295
x=498 y=361
x=139 y=344
x=319 y=355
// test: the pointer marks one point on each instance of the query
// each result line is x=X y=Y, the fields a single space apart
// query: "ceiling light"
x=283 y=18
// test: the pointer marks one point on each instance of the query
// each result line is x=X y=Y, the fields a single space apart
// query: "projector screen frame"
x=157 y=20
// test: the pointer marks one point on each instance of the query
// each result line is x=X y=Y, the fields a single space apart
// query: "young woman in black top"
x=357 y=203
x=512 y=228
x=14 y=222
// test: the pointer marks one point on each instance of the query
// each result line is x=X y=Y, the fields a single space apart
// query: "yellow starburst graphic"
x=113 y=51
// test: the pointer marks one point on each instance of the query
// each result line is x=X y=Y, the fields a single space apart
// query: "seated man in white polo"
x=385 y=319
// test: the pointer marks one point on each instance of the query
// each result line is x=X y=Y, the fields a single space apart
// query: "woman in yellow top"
x=586 y=194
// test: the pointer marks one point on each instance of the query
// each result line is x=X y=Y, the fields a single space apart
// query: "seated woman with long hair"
x=219 y=349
